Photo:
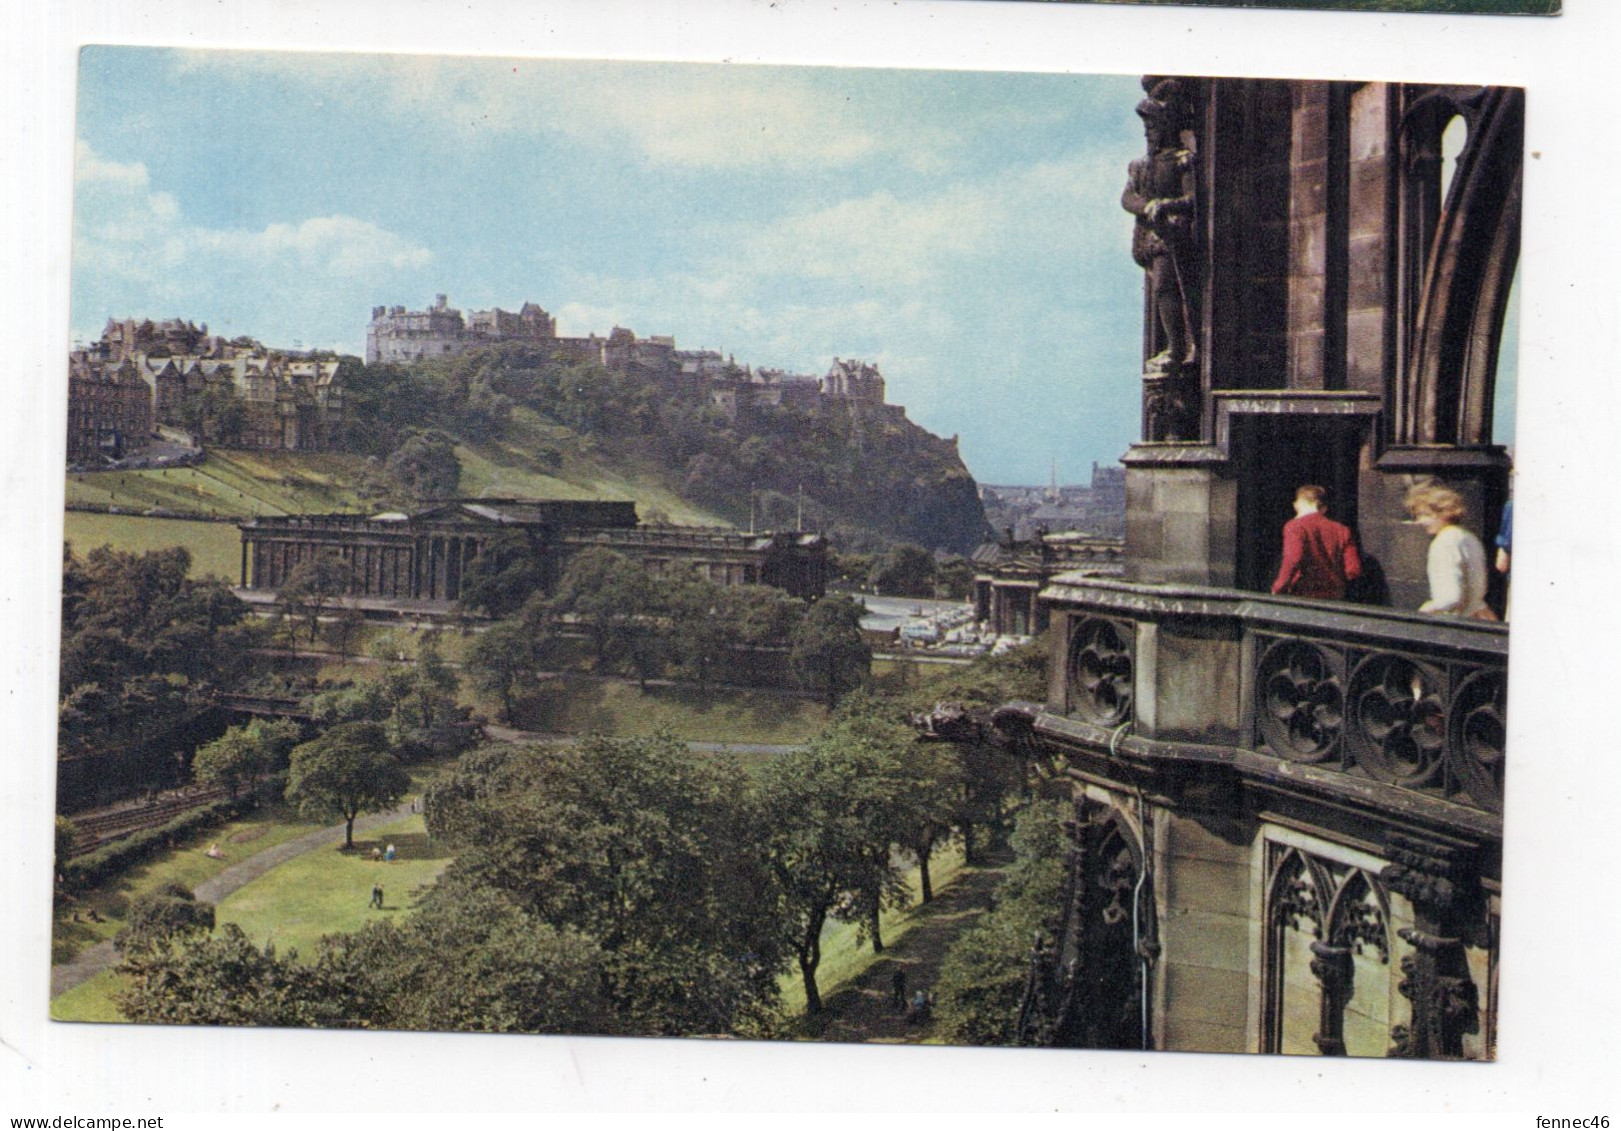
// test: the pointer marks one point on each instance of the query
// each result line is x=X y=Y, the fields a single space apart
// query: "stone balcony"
x=1374 y=712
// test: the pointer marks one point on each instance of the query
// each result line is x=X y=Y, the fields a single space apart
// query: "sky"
x=961 y=229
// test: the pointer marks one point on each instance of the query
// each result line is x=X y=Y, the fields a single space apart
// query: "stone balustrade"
x=1333 y=696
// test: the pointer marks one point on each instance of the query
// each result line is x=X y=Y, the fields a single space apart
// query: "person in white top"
x=1457 y=561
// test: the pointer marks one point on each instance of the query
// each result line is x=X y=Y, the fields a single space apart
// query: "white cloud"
x=716 y=116
x=335 y=245
x=953 y=289
x=134 y=245
x=90 y=168
x=931 y=240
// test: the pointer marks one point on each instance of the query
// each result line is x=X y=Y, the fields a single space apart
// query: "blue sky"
x=962 y=229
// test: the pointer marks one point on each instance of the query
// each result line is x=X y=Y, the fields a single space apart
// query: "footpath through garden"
x=558 y=738
x=104 y=955
x=863 y=1010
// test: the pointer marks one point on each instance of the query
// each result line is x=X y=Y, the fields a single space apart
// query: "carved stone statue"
x=1161 y=194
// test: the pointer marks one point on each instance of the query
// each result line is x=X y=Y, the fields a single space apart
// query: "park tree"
x=993 y=779
x=702 y=628
x=425 y=720
x=475 y=963
x=828 y=652
x=425 y=464
x=345 y=772
x=366 y=701
x=826 y=810
x=932 y=776
x=983 y=976
x=503 y=661
x=224 y=979
x=66 y=833
x=903 y=570
x=848 y=569
x=312 y=586
x=231 y=760
x=954 y=578
x=508 y=570
x=762 y=615
x=159 y=916
x=911 y=805
x=346 y=627
x=611 y=596
x=643 y=847
x=243 y=754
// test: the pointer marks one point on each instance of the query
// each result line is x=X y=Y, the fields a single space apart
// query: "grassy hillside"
x=234 y=484
x=239 y=484
x=516 y=465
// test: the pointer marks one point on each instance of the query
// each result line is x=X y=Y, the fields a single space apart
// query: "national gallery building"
x=424 y=556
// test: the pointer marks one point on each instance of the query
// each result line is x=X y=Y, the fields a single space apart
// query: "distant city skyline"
x=960 y=229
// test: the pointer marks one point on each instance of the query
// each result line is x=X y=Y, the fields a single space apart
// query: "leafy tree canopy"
x=638 y=844
x=345 y=772
x=829 y=653
x=425 y=464
x=903 y=570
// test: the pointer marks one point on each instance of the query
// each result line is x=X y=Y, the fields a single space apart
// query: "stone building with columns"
x=1009 y=575
x=423 y=557
x=1287 y=824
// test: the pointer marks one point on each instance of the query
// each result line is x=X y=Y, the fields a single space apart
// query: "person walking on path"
x=376 y=896
x=1319 y=554
x=1457 y=561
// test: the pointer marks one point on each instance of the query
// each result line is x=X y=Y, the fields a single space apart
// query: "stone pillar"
x=1371 y=285
x=1181 y=517
x=1440 y=884
x=1332 y=967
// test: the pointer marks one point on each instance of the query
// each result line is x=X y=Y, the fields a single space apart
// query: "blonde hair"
x=1437 y=499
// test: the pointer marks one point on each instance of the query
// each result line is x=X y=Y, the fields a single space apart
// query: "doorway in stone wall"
x=1275 y=454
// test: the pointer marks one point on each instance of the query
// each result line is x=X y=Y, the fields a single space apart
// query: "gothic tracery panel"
x=1398 y=720
x=1302 y=700
x=1327 y=961
x=1100 y=671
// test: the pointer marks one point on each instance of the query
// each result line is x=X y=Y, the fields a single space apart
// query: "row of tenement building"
x=142 y=374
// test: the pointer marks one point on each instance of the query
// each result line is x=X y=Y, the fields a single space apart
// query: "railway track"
x=92 y=830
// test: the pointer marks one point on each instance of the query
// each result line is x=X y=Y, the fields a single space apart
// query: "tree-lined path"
x=862 y=1010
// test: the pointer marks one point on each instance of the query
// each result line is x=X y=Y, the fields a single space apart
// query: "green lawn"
x=89 y=1001
x=584 y=704
x=216 y=547
x=844 y=956
x=327 y=891
x=187 y=864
